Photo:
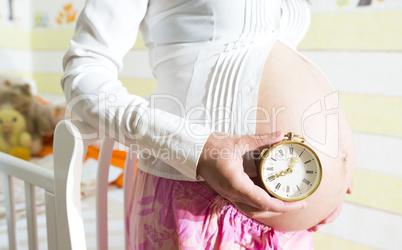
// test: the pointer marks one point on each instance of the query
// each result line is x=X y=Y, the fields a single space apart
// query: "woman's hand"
x=334 y=214
x=221 y=166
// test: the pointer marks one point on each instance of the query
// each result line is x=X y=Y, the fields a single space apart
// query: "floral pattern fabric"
x=170 y=214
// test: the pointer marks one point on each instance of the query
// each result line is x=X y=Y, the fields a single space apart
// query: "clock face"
x=290 y=171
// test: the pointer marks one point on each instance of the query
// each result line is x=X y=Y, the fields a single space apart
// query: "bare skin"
x=291 y=85
x=289 y=81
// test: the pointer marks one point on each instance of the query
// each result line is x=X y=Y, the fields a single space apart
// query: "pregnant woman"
x=228 y=77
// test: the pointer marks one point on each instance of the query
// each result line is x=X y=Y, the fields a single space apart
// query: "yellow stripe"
x=141 y=87
x=355 y=31
x=350 y=30
x=58 y=39
x=139 y=44
x=15 y=39
x=50 y=83
x=373 y=114
x=377 y=191
x=365 y=113
x=22 y=75
x=325 y=242
x=45 y=39
x=54 y=39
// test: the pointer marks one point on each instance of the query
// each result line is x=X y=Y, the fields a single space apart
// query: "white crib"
x=64 y=222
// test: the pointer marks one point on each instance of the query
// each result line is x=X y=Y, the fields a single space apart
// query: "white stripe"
x=319 y=6
x=20 y=60
x=15 y=60
x=47 y=61
x=378 y=154
x=377 y=73
x=368 y=227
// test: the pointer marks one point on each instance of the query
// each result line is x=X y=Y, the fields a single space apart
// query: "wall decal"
x=67 y=15
x=342 y=2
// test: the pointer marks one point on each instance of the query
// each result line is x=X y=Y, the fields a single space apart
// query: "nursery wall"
x=36 y=35
x=357 y=43
x=360 y=49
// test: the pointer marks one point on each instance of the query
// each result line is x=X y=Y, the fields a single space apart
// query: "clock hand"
x=283 y=173
x=293 y=161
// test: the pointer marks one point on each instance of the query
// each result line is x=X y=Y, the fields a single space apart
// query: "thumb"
x=257 y=141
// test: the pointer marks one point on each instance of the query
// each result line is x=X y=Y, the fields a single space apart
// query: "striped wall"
x=359 y=48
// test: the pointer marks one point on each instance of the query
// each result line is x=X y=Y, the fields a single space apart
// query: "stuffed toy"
x=14 y=139
x=40 y=119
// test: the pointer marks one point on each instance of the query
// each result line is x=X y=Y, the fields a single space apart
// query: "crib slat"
x=129 y=170
x=10 y=211
x=51 y=220
x=30 y=203
x=105 y=156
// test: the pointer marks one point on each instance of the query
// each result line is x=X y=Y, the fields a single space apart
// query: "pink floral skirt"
x=169 y=214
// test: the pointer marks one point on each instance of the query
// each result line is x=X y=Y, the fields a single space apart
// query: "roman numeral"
x=271 y=178
x=270 y=169
x=307 y=161
x=298 y=188
x=278 y=186
x=287 y=189
x=309 y=172
x=291 y=150
x=306 y=181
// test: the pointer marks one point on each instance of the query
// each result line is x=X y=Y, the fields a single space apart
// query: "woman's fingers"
x=253 y=212
x=252 y=195
x=330 y=218
x=333 y=215
x=315 y=228
x=253 y=142
x=350 y=188
x=227 y=177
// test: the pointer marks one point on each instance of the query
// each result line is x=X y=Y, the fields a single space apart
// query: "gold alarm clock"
x=290 y=170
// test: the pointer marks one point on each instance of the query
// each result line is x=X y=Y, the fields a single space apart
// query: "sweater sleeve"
x=106 y=30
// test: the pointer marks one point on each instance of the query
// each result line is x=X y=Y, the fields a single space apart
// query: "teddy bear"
x=14 y=139
x=40 y=119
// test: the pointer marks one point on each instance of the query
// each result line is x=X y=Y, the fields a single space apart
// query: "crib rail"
x=27 y=171
x=65 y=225
x=32 y=175
x=72 y=139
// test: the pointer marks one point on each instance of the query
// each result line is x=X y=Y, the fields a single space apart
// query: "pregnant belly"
x=291 y=90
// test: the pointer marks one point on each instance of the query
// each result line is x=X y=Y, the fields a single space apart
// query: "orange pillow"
x=118 y=159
